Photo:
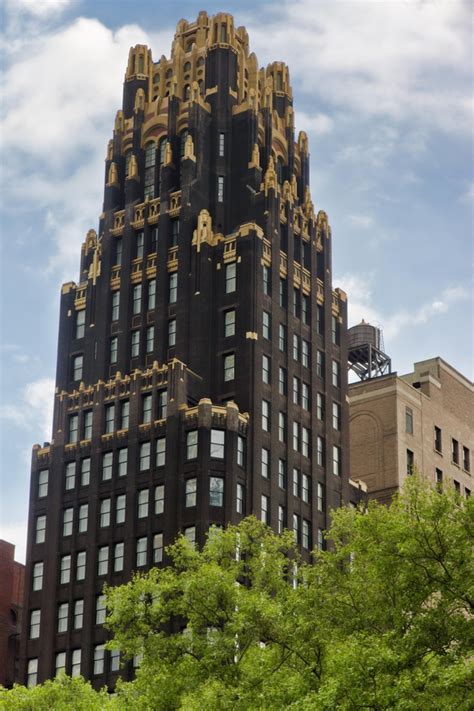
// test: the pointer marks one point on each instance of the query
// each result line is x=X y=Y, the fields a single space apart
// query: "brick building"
x=424 y=419
x=201 y=371
x=12 y=576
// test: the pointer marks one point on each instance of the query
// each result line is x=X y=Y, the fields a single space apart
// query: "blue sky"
x=383 y=90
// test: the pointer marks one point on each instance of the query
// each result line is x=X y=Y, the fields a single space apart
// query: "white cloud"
x=316 y=124
x=363 y=221
x=39 y=8
x=399 y=59
x=34 y=410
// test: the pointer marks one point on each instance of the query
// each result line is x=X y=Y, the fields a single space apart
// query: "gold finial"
x=255 y=160
x=189 y=148
x=119 y=121
x=294 y=186
x=303 y=142
x=168 y=157
x=203 y=231
x=110 y=150
x=139 y=100
x=132 y=167
x=308 y=203
x=113 y=175
x=270 y=179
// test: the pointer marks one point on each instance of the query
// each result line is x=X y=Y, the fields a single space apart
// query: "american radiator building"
x=201 y=372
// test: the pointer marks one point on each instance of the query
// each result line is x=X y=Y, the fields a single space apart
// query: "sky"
x=384 y=90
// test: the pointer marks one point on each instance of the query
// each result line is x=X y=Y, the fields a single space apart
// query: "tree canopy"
x=383 y=620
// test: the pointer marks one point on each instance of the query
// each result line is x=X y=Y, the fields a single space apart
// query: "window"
x=266 y=279
x=163 y=141
x=321 y=497
x=78 y=614
x=77 y=363
x=151 y=294
x=182 y=143
x=159 y=499
x=229 y=323
x=437 y=439
x=144 y=456
x=75 y=662
x=306 y=488
x=282 y=294
x=99 y=654
x=296 y=390
x=115 y=305
x=281 y=519
x=335 y=330
x=455 y=451
x=65 y=569
x=239 y=499
x=142 y=545
x=68 y=515
x=306 y=537
x=120 y=508
x=296 y=347
x=85 y=471
x=216 y=491
x=265 y=509
x=81 y=565
x=266 y=325
x=63 y=613
x=109 y=419
x=124 y=414
x=336 y=373
x=320 y=406
x=190 y=534
x=191 y=444
x=220 y=188
x=282 y=337
x=160 y=451
x=409 y=420
x=305 y=442
x=282 y=427
x=305 y=309
x=140 y=241
x=305 y=351
x=162 y=404
x=229 y=367
x=296 y=303
x=103 y=560
x=467 y=492
x=70 y=476
x=118 y=557
x=282 y=474
x=466 y=464
x=305 y=396
x=410 y=462
x=321 y=539
x=174 y=232
x=296 y=436
x=43 y=477
x=60 y=663
x=221 y=144
x=265 y=463
x=83 y=518
x=336 y=416
x=137 y=299
x=38 y=575
x=100 y=610
x=122 y=461
x=80 y=323
x=266 y=369
x=104 y=516
x=240 y=451
x=73 y=429
x=40 y=532
x=439 y=479
x=336 y=460
x=173 y=288
x=320 y=451
x=320 y=364
x=296 y=528
x=457 y=487
x=88 y=424
x=107 y=460
x=296 y=482
x=146 y=409
x=143 y=499
x=217 y=444
x=150 y=339
x=35 y=624
x=158 y=548
x=230 y=278
x=265 y=416
x=282 y=386
x=118 y=252
x=171 y=332
x=149 y=178
x=32 y=673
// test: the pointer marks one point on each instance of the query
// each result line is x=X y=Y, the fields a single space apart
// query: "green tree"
x=60 y=694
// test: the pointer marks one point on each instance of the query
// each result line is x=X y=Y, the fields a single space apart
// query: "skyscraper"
x=201 y=370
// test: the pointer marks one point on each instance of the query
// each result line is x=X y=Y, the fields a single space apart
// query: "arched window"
x=280 y=166
x=156 y=79
x=161 y=150
x=223 y=33
x=187 y=92
x=183 y=138
x=187 y=67
x=189 y=45
x=200 y=62
x=150 y=157
x=128 y=155
x=169 y=73
x=141 y=64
